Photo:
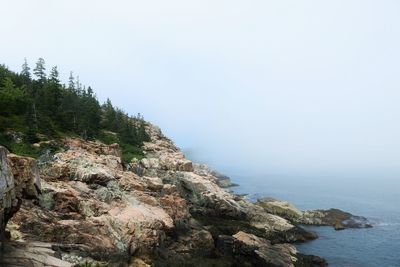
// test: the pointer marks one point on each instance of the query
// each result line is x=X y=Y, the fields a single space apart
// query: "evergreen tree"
x=78 y=86
x=90 y=91
x=51 y=95
x=26 y=70
x=44 y=106
x=54 y=75
x=39 y=70
x=71 y=81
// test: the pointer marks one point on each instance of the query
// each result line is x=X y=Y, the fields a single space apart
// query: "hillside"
x=41 y=109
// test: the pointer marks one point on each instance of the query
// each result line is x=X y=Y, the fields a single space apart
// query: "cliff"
x=88 y=208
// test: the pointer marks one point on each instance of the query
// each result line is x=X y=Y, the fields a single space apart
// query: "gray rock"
x=8 y=200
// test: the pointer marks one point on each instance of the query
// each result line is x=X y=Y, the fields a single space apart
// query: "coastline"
x=161 y=210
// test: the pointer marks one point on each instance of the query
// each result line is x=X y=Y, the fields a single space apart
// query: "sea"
x=377 y=198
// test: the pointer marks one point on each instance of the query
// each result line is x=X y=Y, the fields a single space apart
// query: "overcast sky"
x=287 y=87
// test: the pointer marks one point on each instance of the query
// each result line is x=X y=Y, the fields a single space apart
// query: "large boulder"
x=19 y=178
x=262 y=253
x=26 y=176
x=9 y=203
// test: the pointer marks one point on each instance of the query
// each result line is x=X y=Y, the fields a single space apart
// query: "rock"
x=136 y=262
x=262 y=252
x=90 y=200
x=16 y=137
x=310 y=260
x=225 y=245
x=32 y=254
x=158 y=211
x=339 y=219
x=221 y=179
x=339 y=226
x=336 y=218
x=19 y=178
x=195 y=242
x=280 y=208
x=26 y=176
x=9 y=203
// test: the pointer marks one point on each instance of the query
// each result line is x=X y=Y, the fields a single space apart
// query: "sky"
x=291 y=87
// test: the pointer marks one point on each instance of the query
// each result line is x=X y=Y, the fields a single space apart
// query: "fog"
x=291 y=88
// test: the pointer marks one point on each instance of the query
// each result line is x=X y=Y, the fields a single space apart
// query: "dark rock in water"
x=339 y=219
x=310 y=260
x=339 y=226
x=336 y=218
x=262 y=252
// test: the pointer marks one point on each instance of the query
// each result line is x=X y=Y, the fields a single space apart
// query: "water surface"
x=376 y=199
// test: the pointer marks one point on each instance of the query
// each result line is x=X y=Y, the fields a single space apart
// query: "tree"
x=90 y=92
x=78 y=86
x=71 y=81
x=25 y=70
x=51 y=95
x=45 y=108
x=39 y=70
x=12 y=99
x=54 y=75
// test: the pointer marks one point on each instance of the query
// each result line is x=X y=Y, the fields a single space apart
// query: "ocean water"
x=378 y=199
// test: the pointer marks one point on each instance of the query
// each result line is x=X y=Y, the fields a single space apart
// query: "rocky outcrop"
x=219 y=178
x=19 y=180
x=26 y=175
x=280 y=208
x=336 y=218
x=85 y=206
x=339 y=219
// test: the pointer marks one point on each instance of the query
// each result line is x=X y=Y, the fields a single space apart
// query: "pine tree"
x=48 y=108
x=52 y=95
x=78 y=86
x=25 y=70
x=39 y=70
x=90 y=91
x=54 y=75
x=71 y=81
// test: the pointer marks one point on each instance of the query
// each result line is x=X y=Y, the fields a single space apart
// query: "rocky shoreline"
x=85 y=207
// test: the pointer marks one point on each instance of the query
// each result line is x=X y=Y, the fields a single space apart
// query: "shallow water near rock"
x=376 y=199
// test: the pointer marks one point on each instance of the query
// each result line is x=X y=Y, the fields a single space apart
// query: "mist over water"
x=373 y=195
x=376 y=198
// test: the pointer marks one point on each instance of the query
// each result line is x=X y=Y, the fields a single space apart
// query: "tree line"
x=38 y=104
